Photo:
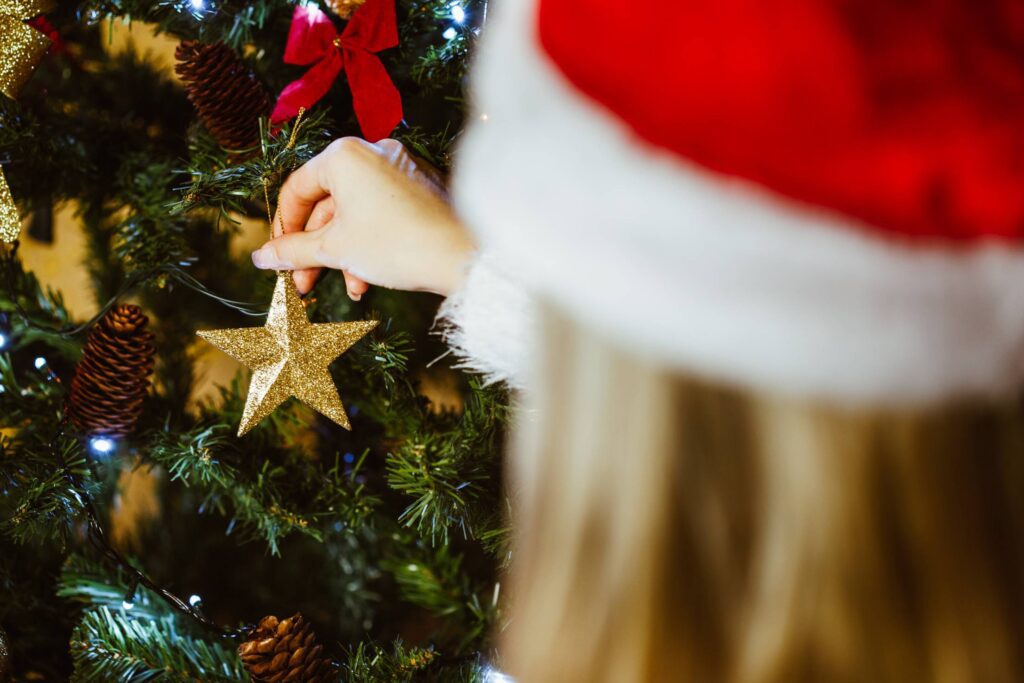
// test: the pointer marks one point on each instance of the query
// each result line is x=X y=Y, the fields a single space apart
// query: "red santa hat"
x=818 y=197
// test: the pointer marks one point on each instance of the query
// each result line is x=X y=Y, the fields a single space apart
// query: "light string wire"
x=97 y=536
x=133 y=281
x=98 y=539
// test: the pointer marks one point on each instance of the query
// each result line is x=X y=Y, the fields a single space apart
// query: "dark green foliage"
x=202 y=458
x=147 y=641
x=150 y=235
x=400 y=664
x=393 y=533
x=240 y=186
x=42 y=503
x=107 y=646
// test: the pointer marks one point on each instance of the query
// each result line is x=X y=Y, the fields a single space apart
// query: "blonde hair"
x=675 y=530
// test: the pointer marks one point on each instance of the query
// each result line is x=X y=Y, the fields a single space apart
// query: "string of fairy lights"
x=456 y=11
x=102 y=446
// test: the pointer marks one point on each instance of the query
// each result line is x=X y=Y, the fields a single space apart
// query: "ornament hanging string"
x=289 y=355
x=266 y=181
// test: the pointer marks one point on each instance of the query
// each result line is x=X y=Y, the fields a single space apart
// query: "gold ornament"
x=289 y=356
x=344 y=8
x=21 y=48
x=10 y=219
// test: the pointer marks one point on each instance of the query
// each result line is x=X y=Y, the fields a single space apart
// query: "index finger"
x=300 y=193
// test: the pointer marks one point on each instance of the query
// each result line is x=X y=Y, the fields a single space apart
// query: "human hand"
x=372 y=212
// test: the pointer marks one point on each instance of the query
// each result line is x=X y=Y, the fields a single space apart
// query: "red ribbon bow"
x=312 y=39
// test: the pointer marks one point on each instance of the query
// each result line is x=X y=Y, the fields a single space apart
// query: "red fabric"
x=908 y=115
x=375 y=99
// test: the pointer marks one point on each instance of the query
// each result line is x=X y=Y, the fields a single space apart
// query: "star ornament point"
x=289 y=356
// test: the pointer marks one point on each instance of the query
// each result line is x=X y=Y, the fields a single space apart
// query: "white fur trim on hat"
x=714 y=276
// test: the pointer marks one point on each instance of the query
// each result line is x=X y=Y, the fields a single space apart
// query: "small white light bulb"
x=40 y=362
x=3 y=340
x=198 y=5
x=450 y=33
x=194 y=600
x=458 y=13
x=127 y=604
x=492 y=675
x=101 y=445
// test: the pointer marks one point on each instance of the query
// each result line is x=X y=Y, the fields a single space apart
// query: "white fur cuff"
x=488 y=323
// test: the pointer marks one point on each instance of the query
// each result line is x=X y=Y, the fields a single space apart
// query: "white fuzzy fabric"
x=708 y=275
x=489 y=323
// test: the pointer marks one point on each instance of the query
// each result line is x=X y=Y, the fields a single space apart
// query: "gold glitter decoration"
x=10 y=220
x=21 y=48
x=289 y=356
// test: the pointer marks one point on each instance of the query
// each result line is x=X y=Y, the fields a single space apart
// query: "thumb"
x=294 y=251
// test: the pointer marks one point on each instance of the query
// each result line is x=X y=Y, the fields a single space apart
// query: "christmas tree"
x=387 y=539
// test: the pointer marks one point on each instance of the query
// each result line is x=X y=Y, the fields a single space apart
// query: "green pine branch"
x=410 y=486
x=233 y=22
x=150 y=235
x=436 y=580
x=227 y=185
x=41 y=504
x=202 y=458
x=92 y=585
x=33 y=313
x=450 y=469
x=147 y=642
x=371 y=663
x=108 y=645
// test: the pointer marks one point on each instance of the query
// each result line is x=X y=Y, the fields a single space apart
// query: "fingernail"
x=266 y=258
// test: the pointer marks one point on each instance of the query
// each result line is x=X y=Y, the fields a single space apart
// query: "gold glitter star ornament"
x=21 y=48
x=10 y=219
x=289 y=356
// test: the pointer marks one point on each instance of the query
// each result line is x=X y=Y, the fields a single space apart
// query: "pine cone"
x=112 y=377
x=344 y=8
x=285 y=651
x=226 y=94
